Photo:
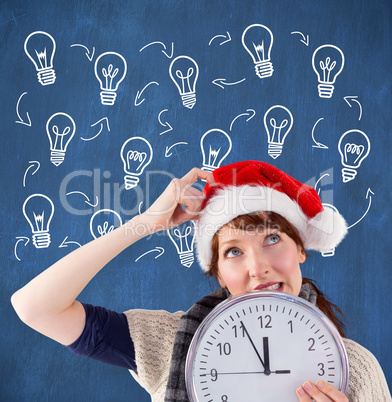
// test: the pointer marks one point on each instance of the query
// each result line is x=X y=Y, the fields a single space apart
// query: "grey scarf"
x=189 y=322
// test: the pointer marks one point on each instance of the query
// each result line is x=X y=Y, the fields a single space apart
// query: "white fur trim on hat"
x=322 y=232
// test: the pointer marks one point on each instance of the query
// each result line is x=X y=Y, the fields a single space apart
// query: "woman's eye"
x=233 y=252
x=272 y=238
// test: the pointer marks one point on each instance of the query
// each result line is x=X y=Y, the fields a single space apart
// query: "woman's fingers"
x=167 y=210
x=189 y=196
x=197 y=173
x=192 y=199
x=320 y=392
x=303 y=396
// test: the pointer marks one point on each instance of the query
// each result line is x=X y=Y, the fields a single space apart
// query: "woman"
x=254 y=225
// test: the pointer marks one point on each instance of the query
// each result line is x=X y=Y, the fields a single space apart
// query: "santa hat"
x=252 y=186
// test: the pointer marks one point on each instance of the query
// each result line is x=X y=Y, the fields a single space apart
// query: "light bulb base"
x=108 y=97
x=46 y=77
x=189 y=99
x=264 y=69
x=208 y=168
x=187 y=258
x=328 y=253
x=348 y=174
x=41 y=239
x=57 y=157
x=130 y=182
x=274 y=150
x=325 y=90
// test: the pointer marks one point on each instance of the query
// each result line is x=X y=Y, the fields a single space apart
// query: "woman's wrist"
x=141 y=226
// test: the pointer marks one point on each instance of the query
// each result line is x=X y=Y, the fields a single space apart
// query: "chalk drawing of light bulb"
x=183 y=237
x=328 y=63
x=38 y=210
x=330 y=252
x=257 y=40
x=104 y=221
x=40 y=48
x=354 y=147
x=278 y=121
x=136 y=154
x=215 y=146
x=110 y=69
x=60 y=129
x=184 y=72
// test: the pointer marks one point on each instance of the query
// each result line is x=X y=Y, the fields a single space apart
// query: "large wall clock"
x=261 y=346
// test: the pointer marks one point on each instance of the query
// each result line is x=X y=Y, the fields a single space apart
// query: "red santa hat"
x=252 y=186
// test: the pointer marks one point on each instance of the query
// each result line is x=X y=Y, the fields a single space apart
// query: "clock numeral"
x=214 y=375
x=322 y=371
x=224 y=398
x=265 y=322
x=224 y=349
x=236 y=331
x=312 y=341
x=291 y=326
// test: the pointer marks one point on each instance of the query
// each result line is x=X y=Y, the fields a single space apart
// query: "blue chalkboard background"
x=149 y=35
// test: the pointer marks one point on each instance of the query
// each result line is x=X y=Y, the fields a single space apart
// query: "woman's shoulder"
x=359 y=353
x=366 y=379
x=352 y=346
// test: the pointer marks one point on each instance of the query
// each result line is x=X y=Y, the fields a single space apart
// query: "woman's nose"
x=258 y=264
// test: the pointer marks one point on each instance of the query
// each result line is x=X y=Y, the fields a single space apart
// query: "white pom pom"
x=325 y=231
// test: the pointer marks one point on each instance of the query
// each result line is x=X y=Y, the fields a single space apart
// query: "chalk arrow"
x=303 y=40
x=20 y=238
x=164 y=47
x=102 y=123
x=354 y=99
x=88 y=199
x=318 y=144
x=250 y=112
x=139 y=93
x=30 y=167
x=369 y=194
x=318 y=181
x=169 y=148
x=220 y=82
x=21 y=121
x=164 y=124
x=65 y=243
x=227 y=39
x=160 y=250
x=87 y=51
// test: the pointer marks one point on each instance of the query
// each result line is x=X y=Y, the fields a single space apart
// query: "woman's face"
x=261 y=259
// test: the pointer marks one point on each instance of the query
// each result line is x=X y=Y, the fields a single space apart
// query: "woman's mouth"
x=270 y=286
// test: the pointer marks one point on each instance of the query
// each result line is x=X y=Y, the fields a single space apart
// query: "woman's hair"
x=262 y=220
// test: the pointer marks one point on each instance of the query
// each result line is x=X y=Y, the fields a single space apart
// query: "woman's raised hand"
x=166 y=212
x=320 y=392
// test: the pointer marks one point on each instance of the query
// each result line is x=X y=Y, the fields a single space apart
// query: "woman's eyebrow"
x=229 y=242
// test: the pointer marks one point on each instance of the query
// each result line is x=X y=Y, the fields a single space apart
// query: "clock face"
x=262 y=346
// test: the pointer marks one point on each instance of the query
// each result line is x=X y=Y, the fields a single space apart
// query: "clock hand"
x=267 y=360
x=266 y=356
x=252 y=372
x=254 y=347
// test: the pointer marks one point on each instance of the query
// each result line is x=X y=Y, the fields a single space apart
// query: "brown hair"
x=252 y=222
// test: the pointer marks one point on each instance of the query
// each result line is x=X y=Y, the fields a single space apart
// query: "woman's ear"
x=301 y=255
